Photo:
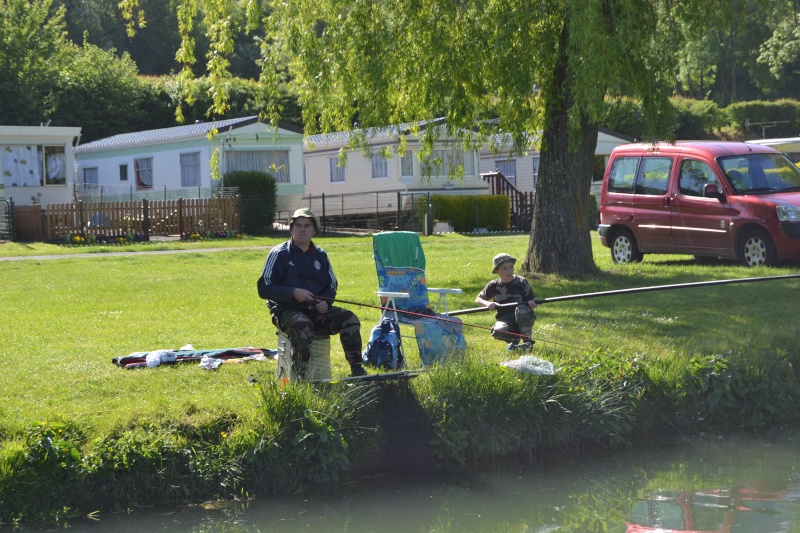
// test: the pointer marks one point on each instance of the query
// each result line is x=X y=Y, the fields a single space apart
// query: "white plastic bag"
x=528 y=364
x=209 y=363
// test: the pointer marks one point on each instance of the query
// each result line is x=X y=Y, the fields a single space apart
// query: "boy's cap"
x=305 y=212
x=499 y=259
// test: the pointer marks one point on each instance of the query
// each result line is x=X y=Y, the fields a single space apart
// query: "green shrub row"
x=704 y=119
x=466 y=213
x=304 y=435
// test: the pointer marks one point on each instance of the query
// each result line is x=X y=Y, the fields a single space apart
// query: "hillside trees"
x=32 y=47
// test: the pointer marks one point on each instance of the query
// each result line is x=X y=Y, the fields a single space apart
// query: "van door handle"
x=667 y=202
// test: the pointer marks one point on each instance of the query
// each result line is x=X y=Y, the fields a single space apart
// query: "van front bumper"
x=602 y=231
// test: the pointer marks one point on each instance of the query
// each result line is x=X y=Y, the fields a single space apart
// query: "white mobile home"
x=374 y=172
x=37 y=163
x=180 y=158
x=789 y=146
x=522 y=170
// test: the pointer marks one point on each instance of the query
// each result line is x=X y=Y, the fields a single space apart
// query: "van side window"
x=622 y=175
x=654 y=176
x=694 y=176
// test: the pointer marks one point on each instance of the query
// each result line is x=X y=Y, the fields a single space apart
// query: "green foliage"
x=780 y=118
x=696 y=119
x=757 y=389
x=38 y=472
x=30 y=58
x=624 y=115
x=311 y=429
x=109 y=83
x=466 y=213
x=258 y=192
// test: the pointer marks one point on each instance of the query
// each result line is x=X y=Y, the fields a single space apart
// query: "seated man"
x=299 y=286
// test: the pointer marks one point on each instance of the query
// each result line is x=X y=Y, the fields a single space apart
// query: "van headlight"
x=789 y=213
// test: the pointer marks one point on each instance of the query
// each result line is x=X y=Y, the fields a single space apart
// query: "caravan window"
x=190 y=170
x=380 y=167
x=30 y=165
x=276 y=162
x=337 y=172
x=144 y=172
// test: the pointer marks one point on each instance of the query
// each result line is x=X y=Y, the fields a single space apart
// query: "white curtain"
x=276 y=162
x=380 y=167
x=190 y=169
x=337 y=172
x=144 y=172
x=21 y=165
x=56 y=165
x=90 y=176
x=451 y=159
x=407 y=165
x=508 y=168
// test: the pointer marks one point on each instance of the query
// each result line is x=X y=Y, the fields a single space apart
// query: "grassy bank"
x=79 y=434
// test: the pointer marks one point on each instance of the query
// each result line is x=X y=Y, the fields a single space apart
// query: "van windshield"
x=760 y=173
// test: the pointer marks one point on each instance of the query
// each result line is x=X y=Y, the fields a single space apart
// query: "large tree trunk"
x=560 y=241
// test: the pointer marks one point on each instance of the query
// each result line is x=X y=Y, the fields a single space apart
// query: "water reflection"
x=703 y=485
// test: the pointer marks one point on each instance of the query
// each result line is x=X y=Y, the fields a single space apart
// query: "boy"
x=514 y=323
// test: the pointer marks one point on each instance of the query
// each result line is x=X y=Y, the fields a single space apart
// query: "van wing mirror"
x=711 y=190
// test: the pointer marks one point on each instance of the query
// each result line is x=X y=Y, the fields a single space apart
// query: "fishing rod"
x=434 y=317
x=630 y=291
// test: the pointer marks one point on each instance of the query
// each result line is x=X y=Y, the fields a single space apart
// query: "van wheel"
x=624 y=249
x=756 y=249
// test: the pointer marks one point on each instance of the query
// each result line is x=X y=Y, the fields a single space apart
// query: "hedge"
x=258 y=192
x=467 y=213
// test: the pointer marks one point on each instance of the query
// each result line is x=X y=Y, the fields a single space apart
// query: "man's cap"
x=499 y=259
x=305 y=212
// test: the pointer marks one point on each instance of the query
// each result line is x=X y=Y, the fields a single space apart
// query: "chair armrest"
x=386 y=294
x=445 y=291
x=443 y=297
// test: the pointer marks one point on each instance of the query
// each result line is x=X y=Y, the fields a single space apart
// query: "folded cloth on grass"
x=158 y=357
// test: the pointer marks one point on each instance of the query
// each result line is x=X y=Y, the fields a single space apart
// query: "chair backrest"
x=400 y=264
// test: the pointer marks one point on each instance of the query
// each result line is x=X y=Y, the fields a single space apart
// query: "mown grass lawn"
x=64 y=319
x=79 y=434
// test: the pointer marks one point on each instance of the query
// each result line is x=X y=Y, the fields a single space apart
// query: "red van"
x=709 y=199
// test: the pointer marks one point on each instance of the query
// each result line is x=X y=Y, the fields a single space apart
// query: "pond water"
x=705 y=484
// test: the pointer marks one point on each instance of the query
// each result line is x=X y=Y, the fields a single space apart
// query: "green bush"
x=466 y=213
x=624 y=115
x=784 y=114
x=258 y=192
x=696 y=119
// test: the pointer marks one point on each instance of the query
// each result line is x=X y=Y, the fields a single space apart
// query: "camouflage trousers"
x=519 y=324
x=300 y=327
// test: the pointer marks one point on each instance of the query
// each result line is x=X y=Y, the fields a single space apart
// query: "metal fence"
x=6 y=220
x=363 y=212
x=88 y=192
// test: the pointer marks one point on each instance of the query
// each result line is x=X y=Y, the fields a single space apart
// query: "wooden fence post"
x=180 y=216
x=146 y=219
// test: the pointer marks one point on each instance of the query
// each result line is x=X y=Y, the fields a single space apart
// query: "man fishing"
x=298 y=283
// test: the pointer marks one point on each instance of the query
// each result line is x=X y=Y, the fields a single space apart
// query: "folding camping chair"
x=404 y=292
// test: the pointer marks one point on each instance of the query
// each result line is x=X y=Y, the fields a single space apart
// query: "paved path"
x=143 y=252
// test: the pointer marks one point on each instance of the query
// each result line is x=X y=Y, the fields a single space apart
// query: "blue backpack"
x=384 y=349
